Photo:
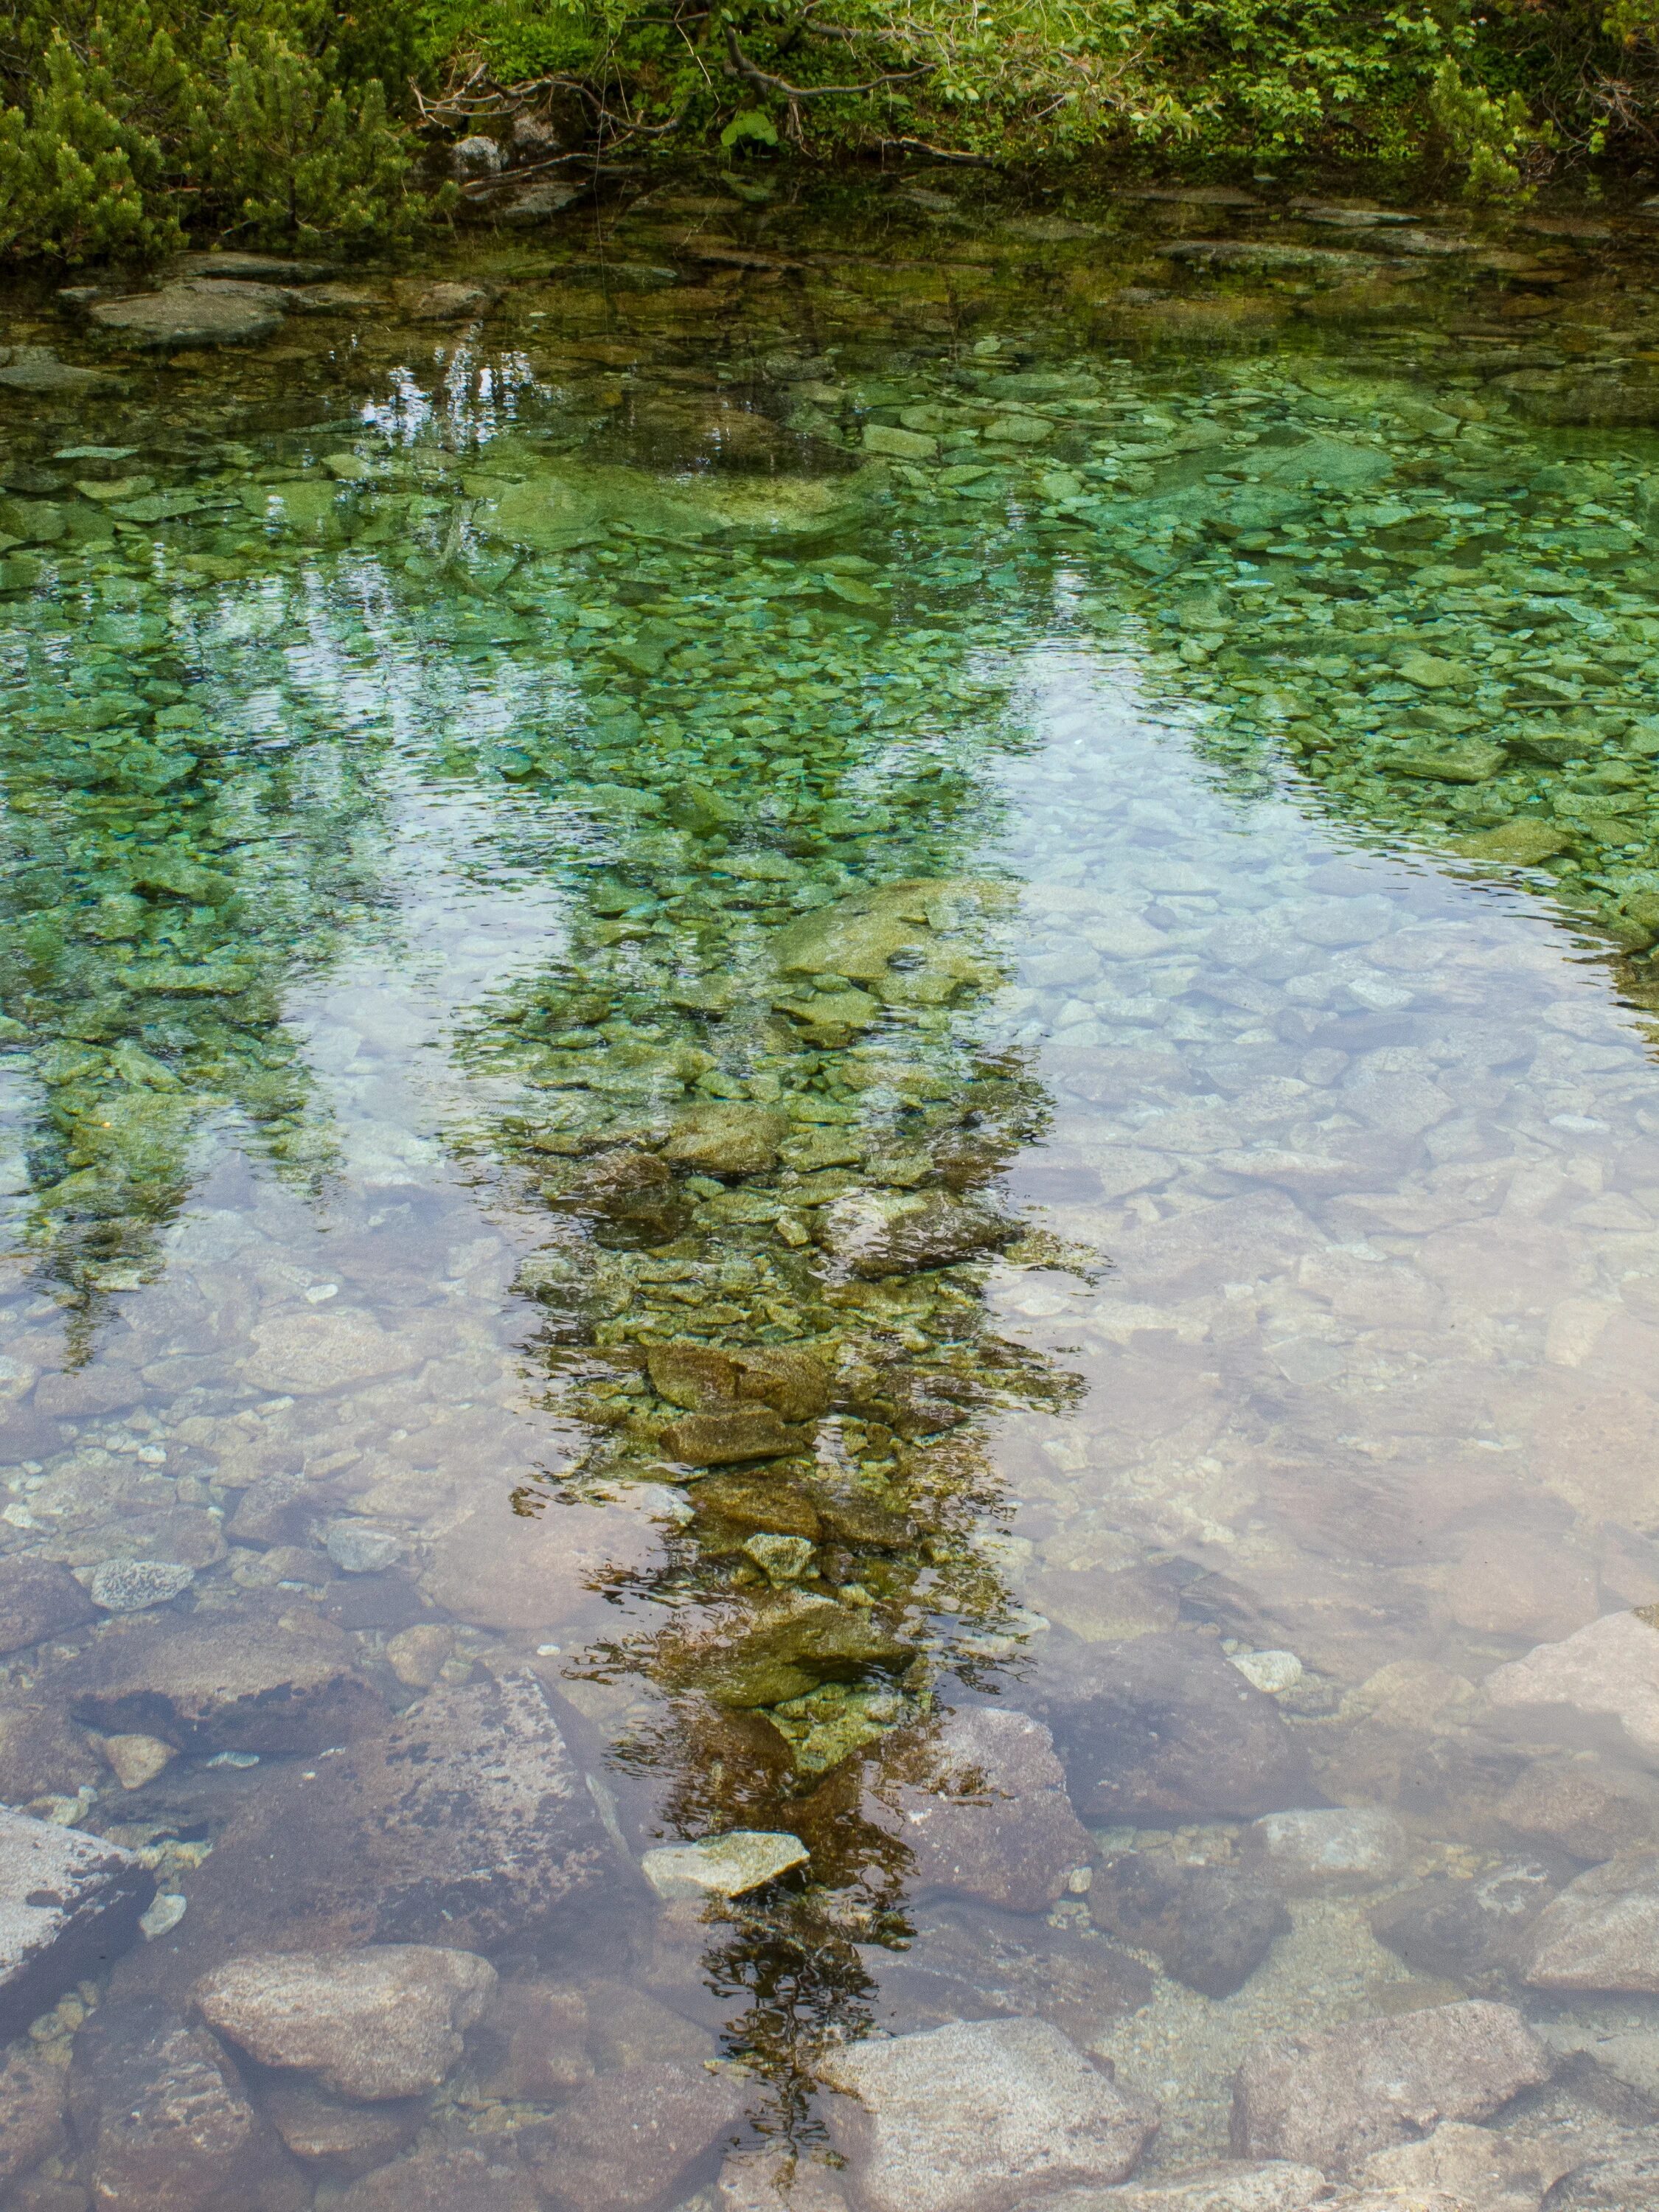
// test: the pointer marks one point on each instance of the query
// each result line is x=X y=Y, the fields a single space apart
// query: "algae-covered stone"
x=1470 y=760
x=726 y=1439
x=858 y=938
x=706 y=1378
x=721 y=1865
x=1521 y=844
x=887 y=439
x=777 y=1646
x=877 y=1233
x=571 y=502
x=727 y=1138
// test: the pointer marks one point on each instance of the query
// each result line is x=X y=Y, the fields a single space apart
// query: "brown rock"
x=350 y=2139
x=1588 y=1807
x=487 y=2177
x=137 y=1760
x=778 y=2181
x=1509 y=1583
x=1606 y=1673
x=774 y=1646
x=42 y=1755
x=1602 y=1931
x=1164 y=1726
x=271 y=1683
x=383 y=2021
x=161 y=2112
x=1331 y=2099
x=39 y=1598
x=877 y=1233
x=274 y=1511
x=977 y=2118
x=967 y=1963
x=467 y=1823
x=636 y=2139
x=307 y=1353
x=975 y=1801
x=534 y=2045
x=1211 y=1926
x=1476 y=1933
x=727 y=1439
x=33 y=2094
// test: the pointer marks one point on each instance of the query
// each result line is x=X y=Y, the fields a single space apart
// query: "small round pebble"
x=132 y=1585
x=357 y=1548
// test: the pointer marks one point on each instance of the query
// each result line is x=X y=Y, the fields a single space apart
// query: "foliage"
x=123 y=123
x=1214 y=82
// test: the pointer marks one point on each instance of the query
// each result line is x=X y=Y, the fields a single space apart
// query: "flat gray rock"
x=253 y=268
x=69 y=1903
x=196 y=311
x=637 y=2138
x=977 y=2118
x=1332 y=2100
x=383 y=2021
x=37 y=368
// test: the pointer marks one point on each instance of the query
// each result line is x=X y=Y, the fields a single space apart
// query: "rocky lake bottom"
x=829 y=1162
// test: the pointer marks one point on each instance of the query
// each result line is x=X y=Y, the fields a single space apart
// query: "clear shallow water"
x=622 y=1323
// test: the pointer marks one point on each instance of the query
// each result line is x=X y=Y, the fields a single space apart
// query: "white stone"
x=357 y=1548
x=135 y=1585
x=722 y=1866
x=1342 y=1847
x=1275 y=1672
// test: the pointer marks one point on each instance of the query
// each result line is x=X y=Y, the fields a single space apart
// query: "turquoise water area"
x=829 y=1023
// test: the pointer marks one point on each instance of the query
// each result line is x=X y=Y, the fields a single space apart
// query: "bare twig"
x=785 y=90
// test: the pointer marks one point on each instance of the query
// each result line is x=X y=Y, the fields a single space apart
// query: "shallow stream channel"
x=830 y=1158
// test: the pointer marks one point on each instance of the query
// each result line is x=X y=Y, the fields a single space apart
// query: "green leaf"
x=751 y=124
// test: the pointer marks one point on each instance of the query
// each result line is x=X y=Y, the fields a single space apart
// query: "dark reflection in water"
x=1009 y=866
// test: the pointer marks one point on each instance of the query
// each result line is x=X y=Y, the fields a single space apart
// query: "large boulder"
x=194 y=312
x=70 y=1905
x=1477 y=1933
x=448 y=2177
x=978 y=2117
x=1164 y=1727
x=966 y=1962
x=161 y=2110
x=386 y=2021
x=1331 y=2098
x=33 y=2087
x=467 y=1823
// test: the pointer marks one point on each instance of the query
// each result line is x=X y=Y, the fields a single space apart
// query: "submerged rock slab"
x=39 y=1598
x=1163 y=1726
x=776 y=1647
x=195 y=311
x=977 y=2118
x=1602 y=1931
x=572 y=503
x=385 y=2021
x=467 y=1823
x=70 y=1904
x=722 y=1866
x=1332 y=2100
x=283 y=1684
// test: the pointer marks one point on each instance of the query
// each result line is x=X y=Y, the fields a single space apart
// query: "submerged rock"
x=1602 y=1931
x=448 y=2177
x=386 y=2021
x=1606 y=1671
x=70 y=1904
x=161 y=2112
x=975 y=1803
x=965 y=1962
x=726 y=1140
x=1164 y=1727
x=467 y=1823
x=39 y=1598
x=136 y=1585
x=1332 y=2098
x=877 y=1233
x=704 y=1377
x=283 y=1684
x=637 y=2138
x=777 y=1647
x=977 y=2116
x=1274 y=2186
x=1211 y=1926
x=1479 y=1933
x=33 y=2094
x=348 y=2139
x=1345 y=1847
